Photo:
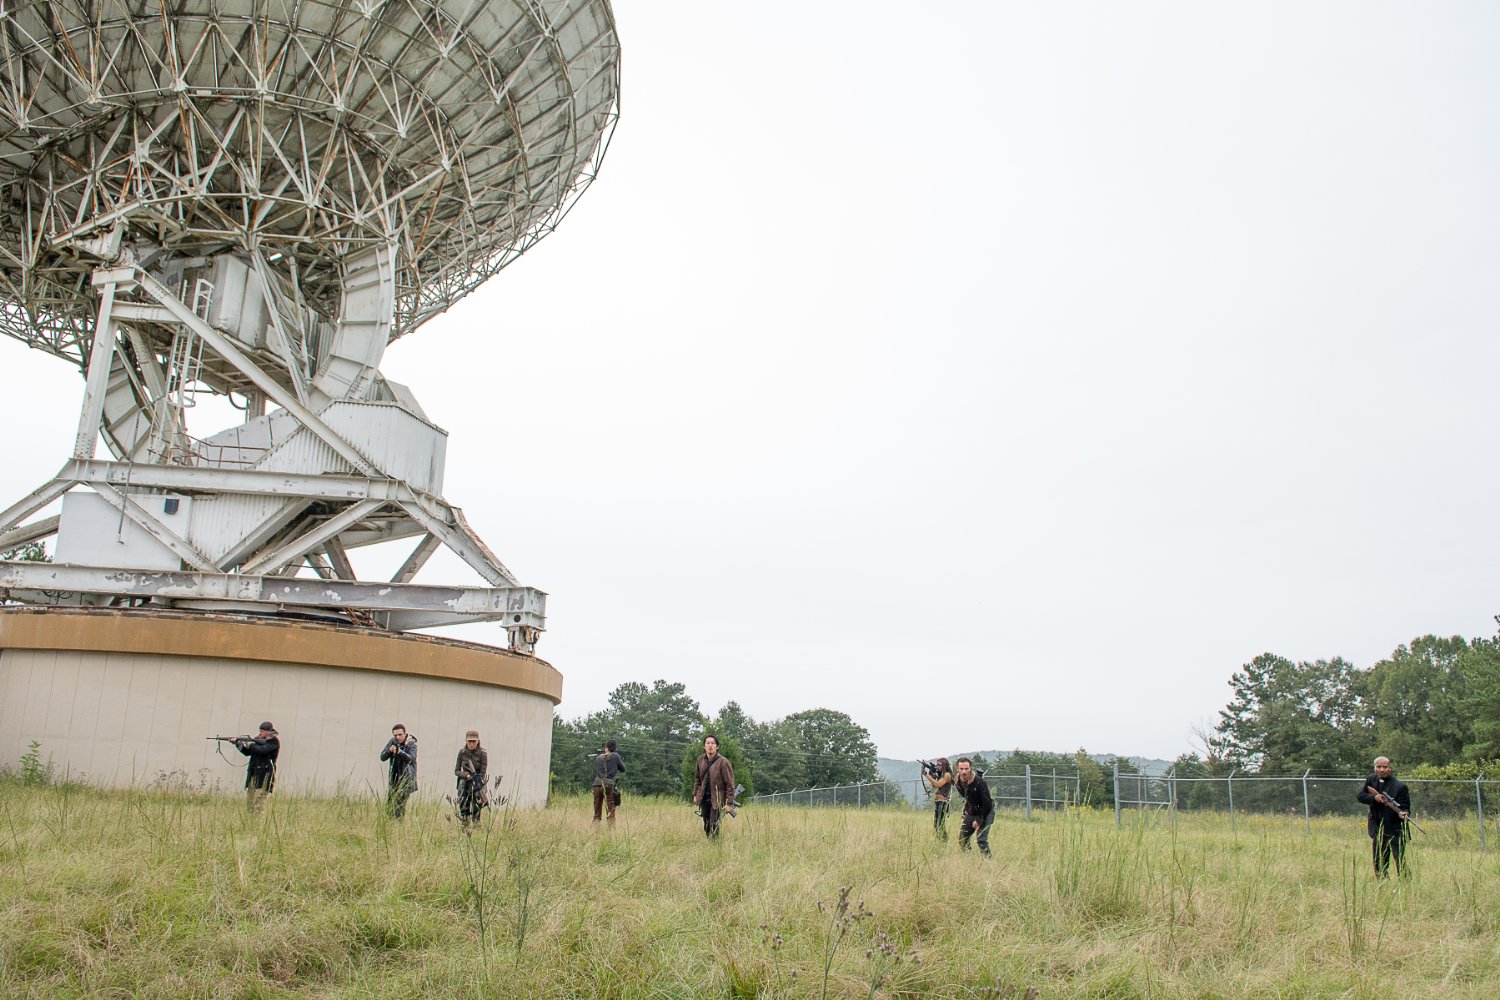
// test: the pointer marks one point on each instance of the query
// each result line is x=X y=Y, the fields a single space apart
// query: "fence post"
x=1054 y=789
x=1306 y=811
x=1479 y=803
x=1117 y=794
x=1172 y=793
x=859 y=795
x=1231 y=799
x=1028 y=791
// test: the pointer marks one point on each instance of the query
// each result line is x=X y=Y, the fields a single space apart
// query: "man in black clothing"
x=608 y=766
x=1390 y=804
x=260 y=773
x=401 y=751
x=979 y=807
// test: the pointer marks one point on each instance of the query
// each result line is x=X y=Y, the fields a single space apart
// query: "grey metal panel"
x=220 y=520
x=404 y=445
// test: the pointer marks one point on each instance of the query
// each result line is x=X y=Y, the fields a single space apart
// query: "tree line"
x=1432 y=706
x=660 y=731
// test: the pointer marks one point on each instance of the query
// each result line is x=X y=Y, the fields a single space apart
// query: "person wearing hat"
x=260 y=773
x=471 y=770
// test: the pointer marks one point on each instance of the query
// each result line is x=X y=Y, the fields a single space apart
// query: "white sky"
x=1056 y=357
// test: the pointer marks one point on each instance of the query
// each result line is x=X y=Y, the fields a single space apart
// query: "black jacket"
x=261 y=771
x=1383 y=816
x=977 y=800
x=403 y=758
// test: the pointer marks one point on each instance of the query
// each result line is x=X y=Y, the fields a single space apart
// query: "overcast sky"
x=1004 y=375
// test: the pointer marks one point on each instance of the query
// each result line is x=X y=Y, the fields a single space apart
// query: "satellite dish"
x=252 y=199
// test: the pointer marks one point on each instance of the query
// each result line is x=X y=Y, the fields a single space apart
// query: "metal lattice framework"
x=459 y=131
x=254 y=197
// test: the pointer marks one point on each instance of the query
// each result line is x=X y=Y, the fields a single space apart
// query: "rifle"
x=227 y=739
x=1386 y=801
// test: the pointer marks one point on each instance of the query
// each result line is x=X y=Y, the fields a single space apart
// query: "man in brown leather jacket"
x=713 y=786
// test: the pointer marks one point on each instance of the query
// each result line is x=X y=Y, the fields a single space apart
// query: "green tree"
x=730 y=748
x=654 y=725
x=773 y=756
x=1417 y=698
x=836 y=750
x=1480 y=667
x=1094 y=785
x=30 y=552
x=1286 y=717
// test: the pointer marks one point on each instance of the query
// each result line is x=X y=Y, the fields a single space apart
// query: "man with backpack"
x=608 y=766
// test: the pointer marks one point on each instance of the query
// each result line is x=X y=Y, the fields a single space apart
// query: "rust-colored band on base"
x=180 y=633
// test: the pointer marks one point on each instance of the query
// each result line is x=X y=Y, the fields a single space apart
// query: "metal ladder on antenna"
x=184 y=369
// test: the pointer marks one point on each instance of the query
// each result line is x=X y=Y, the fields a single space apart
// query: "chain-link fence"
x=1026 y=790
x=1301 y=797
x=1297 y=797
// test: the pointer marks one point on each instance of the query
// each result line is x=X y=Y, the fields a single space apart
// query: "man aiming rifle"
x=260 y=773
x=937 y=778
x=1390 y=810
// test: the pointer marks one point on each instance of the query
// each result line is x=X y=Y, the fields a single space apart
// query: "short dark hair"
x=963 y=760
x=610 y=746
x=710 y=736
x=400 y=726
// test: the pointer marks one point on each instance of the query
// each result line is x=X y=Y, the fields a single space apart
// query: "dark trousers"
x=395 y=801
x=710 y=815
x=1385 y=846
x=984 y=832
x=604 y=795
x=470 y=802
x=940 y=818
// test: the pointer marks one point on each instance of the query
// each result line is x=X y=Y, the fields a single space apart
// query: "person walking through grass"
x=937 y=778
x=260 y=772
x=401 y=751
x=979 y=807
x=713 y=786
x=608 y=766
x=471 y=770
x=1390 y=804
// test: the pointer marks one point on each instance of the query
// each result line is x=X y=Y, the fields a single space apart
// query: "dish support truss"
x=345 y=459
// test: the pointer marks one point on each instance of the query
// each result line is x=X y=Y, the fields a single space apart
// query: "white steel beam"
x=47 y=526
x=418 y=558
x=311 y=486
x=479 y=558
x=36 y=499
x=468 y=603
x=295 y=548
x=343 y=569
x=97 y=382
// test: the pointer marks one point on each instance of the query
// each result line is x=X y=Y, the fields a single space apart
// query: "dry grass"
x=115 y=894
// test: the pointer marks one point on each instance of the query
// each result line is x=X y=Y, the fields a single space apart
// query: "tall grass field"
x=163 y=894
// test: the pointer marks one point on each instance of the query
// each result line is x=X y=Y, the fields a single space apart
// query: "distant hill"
x=906 y=772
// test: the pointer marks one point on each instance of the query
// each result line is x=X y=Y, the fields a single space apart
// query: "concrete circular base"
x=125 y=698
